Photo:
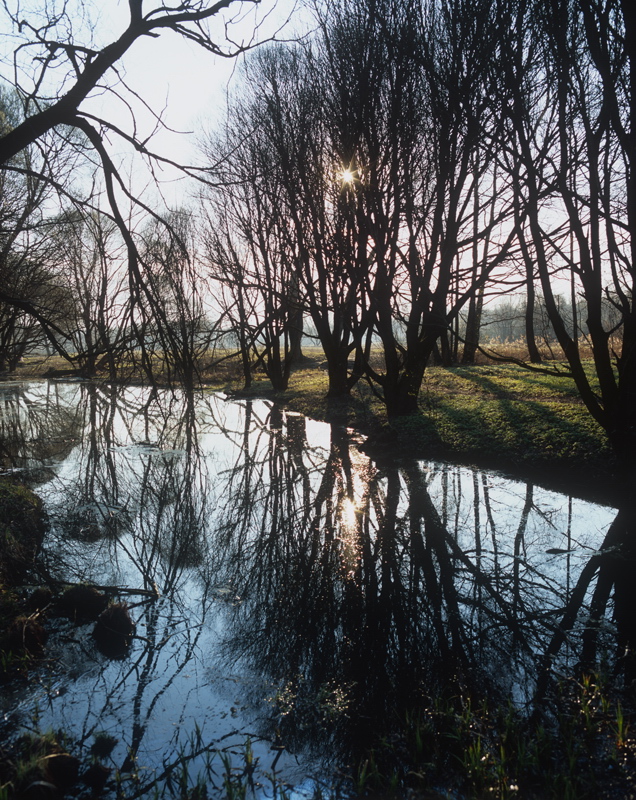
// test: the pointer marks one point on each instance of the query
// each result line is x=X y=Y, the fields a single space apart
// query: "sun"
x=347 y=176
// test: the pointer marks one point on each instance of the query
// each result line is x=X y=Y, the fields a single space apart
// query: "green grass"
x=451 y=747
x=498 y=416
x=531 y=423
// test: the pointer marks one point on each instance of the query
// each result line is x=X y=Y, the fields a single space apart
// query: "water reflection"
x=37 y=428
x=306 y=596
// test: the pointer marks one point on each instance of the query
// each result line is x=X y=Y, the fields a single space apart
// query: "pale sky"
x=172 y=75
x=191 y=83
x=187 y=83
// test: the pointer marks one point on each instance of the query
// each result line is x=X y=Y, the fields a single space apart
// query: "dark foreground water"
x=307 y=596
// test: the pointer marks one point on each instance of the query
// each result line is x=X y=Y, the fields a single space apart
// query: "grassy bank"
x=494 y=415
x=497 y=416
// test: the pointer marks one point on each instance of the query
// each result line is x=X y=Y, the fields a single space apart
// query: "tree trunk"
x=337 y=369
x=401 y=395
x=446 y=350
x=531 y=342
x=473 y=327
x=295 y=322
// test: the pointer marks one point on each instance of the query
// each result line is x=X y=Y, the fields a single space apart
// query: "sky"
x=173 y=71
x=175 y=77
x=186 y=83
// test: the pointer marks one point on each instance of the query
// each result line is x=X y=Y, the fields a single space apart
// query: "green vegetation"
x=495 y=415
x=450 y=748
x=445 y=748
x=21 y=530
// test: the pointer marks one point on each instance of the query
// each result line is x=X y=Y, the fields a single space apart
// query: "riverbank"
x=526 y=424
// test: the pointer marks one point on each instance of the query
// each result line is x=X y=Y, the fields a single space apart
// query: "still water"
x=306 y=595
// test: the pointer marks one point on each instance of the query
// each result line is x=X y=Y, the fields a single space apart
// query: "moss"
x=22 y=526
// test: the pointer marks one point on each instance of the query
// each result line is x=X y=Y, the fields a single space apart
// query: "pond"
x=291 y=597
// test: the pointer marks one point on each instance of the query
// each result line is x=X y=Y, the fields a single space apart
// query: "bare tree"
x=62 y=66
x=249 y=249
x=89 y=264
x=417 y=156
x=568 y=85
x=283 y=181
x=302 y=122
x=179 y=297
x=32 y=303
x=30 y=284
x=228 y=270
x=58 y=67
x=370 y=151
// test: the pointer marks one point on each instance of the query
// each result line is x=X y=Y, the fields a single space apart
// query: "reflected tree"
x=339 y=593
x=38 y=428
x=365 y=592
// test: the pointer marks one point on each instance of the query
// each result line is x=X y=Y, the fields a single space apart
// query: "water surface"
x=306 y=596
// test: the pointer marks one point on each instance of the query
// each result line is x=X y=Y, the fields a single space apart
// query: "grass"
x=508 y=413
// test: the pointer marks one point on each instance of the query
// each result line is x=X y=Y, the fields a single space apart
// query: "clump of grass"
x=82 y=603
x=452 y=747
x=22 y=526
x=38 y=761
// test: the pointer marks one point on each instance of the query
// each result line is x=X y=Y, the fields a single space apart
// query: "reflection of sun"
x=349 y=537
x=348 y=513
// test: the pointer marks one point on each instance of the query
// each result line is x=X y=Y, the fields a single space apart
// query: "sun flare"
x=347 y=176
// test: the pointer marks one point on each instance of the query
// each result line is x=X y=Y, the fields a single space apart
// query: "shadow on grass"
x=544 y=385
x=552 y=443
x=529 y=426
